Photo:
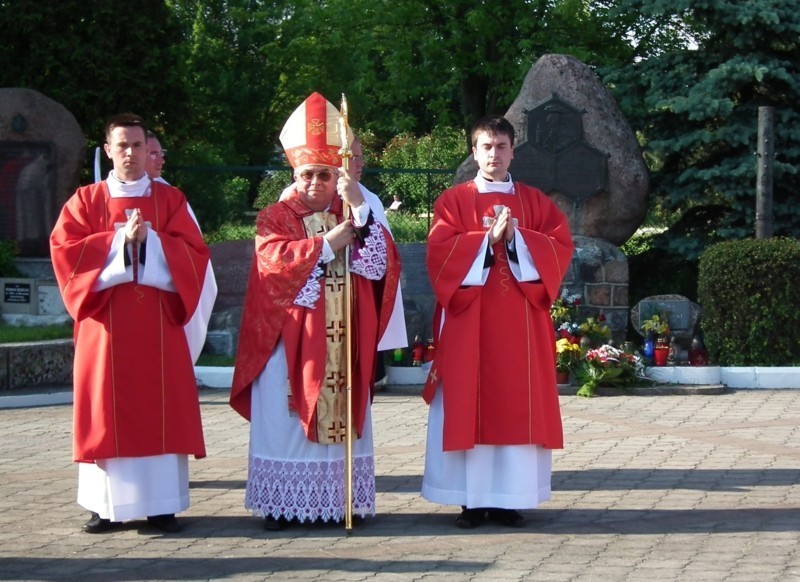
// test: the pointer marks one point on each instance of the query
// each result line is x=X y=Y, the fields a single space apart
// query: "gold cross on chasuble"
x=337 y=432
x=331 y=408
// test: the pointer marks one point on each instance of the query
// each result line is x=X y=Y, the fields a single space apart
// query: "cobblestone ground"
x=648 y=488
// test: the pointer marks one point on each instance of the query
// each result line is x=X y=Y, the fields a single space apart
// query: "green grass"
x=12 y=334
x=211 y=360
x=232 y=231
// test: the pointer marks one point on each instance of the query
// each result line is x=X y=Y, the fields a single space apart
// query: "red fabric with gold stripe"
x=495 y=355
x=135 y=389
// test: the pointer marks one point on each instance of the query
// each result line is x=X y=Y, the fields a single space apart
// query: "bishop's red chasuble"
x=495 y=355
x=135 y=389
x=288 y=248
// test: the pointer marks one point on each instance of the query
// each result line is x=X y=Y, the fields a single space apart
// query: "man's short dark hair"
x=493 y=125
x=124 y=120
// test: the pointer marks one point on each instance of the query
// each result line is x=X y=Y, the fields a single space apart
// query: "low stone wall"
x=232 y=261
x=36 y=364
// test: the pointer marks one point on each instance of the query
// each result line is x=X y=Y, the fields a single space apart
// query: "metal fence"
x=211 y=187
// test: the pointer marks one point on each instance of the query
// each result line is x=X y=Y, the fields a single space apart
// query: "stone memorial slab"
x=18 y=296
x=681 y=313
x=50 y=301
x=602 y=187
x=678 y=313
x=555 y=157
x=41 y=152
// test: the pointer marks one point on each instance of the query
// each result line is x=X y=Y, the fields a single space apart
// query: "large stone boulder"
x=41 y=155
x=618 y=210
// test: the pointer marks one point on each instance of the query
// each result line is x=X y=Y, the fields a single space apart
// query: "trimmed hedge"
x=750 y=294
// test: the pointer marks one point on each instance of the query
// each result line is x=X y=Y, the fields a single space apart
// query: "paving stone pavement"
x=655 y=488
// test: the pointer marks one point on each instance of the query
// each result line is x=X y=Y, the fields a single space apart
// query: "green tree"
x=405 y=67
x=697 y=112
x=95 y=58
x=230 y=70
x=442 y=149
x=448 y=62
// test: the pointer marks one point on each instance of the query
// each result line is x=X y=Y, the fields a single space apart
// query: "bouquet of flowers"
x=563 y=313
x=608 y=366
x=658 y=324
x=595 y=330
x=568 y=354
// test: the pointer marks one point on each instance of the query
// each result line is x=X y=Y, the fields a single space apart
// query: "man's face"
x=316 y=185
x=155 y=158
x=494 y=153
x=357 y=159
x=127 y=149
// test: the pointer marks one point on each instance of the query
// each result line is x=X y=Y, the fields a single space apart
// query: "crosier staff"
x=346 y=154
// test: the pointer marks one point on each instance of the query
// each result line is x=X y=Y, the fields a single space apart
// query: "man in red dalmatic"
x=131 y=264
x=497 y=252
x=289 y=380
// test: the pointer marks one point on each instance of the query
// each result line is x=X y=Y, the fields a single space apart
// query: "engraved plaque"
x=678 y=313
x=554 y=156
x=580 y=172
x=554 y=126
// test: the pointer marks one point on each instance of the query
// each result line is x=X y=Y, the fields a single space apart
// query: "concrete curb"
x=656 y=390
x=41 y=397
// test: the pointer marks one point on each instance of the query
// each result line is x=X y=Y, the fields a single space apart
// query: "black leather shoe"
x=273 y=524
x=167 y=523
x=470 y=518
x=97 y=524
x=506 y=517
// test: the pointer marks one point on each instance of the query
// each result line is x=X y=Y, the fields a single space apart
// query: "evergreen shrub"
x=8 y=252
x=749 y=293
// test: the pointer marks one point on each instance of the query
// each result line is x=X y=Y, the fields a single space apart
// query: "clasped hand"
x=503 y=227
x=135 y=229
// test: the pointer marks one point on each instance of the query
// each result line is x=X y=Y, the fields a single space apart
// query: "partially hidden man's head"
x=126 y=145
x=312 y=141
x=155 y=156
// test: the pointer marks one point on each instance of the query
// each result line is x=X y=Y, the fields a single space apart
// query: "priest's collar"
x=485 y=185
x=131 y=189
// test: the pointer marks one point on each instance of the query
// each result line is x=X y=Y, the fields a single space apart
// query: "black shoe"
x=97 y=524
x=506 y=517
x=167 y=523
x=470 y=518
x=273 y=524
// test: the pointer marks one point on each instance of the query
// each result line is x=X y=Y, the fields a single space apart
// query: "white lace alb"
x=308 y=490
x=369 y=261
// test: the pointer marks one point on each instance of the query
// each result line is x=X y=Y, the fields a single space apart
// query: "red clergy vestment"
x=135 y=389
x=284 y=257
x=495 y=355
